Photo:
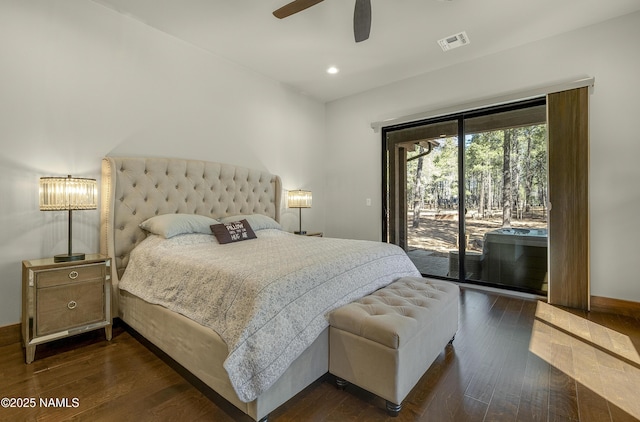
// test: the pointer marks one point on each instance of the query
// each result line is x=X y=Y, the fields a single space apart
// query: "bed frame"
x=137 y=188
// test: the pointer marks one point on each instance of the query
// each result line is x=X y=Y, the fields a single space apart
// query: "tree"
x=504 y=169
x=528 y=175
x=418 y=190
x=482 y=165
x=507 y=191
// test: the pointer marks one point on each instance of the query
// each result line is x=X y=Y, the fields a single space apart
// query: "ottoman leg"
x=341 y=384
x=393 y=409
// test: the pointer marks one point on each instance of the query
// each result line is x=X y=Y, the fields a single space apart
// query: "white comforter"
x=268 y=298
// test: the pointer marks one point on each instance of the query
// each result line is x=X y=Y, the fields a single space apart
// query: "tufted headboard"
x=136 y=188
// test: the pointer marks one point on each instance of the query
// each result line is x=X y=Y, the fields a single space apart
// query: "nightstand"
x=61 y=299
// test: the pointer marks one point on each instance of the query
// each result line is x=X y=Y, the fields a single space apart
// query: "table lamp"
x=68 y=193
x=299 y=199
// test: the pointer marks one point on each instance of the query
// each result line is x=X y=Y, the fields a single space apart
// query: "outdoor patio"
x=435 y=241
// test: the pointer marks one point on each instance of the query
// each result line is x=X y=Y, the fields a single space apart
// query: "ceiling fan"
x=361 y=15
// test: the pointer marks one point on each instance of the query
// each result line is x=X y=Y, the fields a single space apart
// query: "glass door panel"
x=505 y=177
x=431 y=196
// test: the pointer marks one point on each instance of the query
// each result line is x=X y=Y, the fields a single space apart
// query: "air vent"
x=454 y=41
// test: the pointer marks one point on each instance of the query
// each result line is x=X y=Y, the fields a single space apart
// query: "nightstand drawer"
x=66 y=306
x=61 y=276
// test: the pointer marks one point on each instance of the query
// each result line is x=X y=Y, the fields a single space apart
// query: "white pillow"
x=256 y=221
x=169 y=225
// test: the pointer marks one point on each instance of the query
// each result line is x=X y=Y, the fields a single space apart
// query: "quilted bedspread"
x=268 y=298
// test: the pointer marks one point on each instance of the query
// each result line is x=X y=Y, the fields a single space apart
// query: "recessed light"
x=333 y=70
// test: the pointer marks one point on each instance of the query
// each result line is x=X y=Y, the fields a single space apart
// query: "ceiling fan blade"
x=362 y=20
x=294 y=7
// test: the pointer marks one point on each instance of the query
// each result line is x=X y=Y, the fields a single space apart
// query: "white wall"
x=607 y=51
x=79 y=81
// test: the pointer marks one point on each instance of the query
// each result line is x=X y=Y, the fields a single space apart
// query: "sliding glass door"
x=505 y=198
x=472 y=185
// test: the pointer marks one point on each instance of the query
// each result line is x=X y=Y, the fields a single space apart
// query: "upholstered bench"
x=386 y=341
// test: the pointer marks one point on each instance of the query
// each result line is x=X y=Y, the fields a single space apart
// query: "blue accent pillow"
x=169 y=225
x=257 y=221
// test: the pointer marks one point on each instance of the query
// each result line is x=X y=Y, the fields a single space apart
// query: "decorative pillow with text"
x=234 y=231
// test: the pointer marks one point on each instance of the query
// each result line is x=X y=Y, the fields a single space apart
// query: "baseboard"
x=9 y=334
x=615 y=306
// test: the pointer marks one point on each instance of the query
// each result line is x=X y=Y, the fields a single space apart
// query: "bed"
x=275 y=285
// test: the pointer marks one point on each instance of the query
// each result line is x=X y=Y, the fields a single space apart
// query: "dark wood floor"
x=512 y=360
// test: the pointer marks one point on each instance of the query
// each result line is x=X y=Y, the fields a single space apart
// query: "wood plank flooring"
x=512 y=360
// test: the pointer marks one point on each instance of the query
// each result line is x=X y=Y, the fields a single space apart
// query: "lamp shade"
x=68 y=193
x=299 y=199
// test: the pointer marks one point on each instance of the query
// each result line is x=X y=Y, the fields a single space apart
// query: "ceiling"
x=297 y=50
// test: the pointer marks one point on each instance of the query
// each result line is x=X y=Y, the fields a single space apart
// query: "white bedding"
x=268 y=298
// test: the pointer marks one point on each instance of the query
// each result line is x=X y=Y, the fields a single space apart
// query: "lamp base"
x=300 y=232
x=69 y=257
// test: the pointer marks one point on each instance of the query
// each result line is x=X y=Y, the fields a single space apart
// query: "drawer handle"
x=73 y=275
x=72 y=304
